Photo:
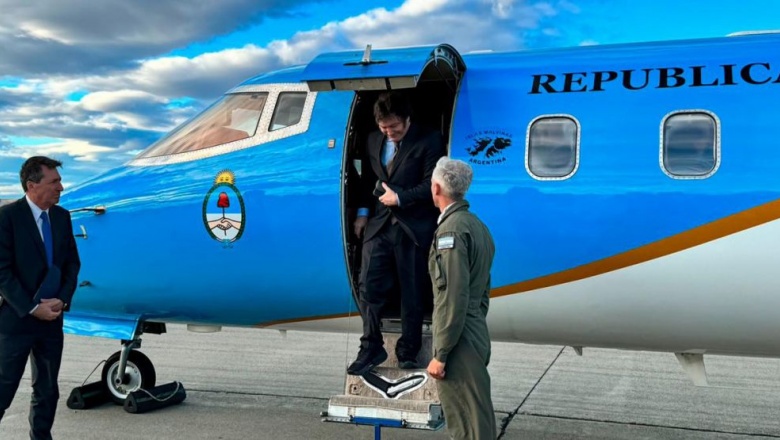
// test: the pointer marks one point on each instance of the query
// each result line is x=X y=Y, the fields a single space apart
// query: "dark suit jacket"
x=23 y=265
x=410 y=177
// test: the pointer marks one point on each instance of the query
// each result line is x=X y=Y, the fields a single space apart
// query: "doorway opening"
x=433 y=101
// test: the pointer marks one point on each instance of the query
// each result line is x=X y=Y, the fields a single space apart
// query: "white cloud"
x=467 y=25
x=41 y=32
x=10 y=192
x=126 y=108
x=414 y=8
x=84 y=35
x=78 y=150
x=502 y=8
x=492 y=24
x=108 y=101
x=489 y=24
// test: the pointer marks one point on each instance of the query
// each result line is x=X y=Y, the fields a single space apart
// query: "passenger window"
x=289 y=108
x=232 y=118
x=553 y=147
x=690 y=145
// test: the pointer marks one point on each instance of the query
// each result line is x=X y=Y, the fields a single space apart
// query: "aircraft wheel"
x=139 y=374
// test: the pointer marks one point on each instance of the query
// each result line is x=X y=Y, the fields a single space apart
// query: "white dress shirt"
x=37 y=215
x=39 y=222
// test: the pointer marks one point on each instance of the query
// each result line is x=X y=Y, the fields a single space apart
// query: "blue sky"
x=94 y=83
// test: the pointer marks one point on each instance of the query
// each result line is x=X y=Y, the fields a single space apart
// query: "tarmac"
x=261 y=384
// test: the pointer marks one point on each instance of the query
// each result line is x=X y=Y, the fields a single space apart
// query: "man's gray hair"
x=454 y=176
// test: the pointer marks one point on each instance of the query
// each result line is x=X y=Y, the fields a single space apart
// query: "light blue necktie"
x=391 y=148
x=47 y=240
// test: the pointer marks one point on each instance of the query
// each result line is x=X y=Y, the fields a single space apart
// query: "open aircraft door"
x=429 y=75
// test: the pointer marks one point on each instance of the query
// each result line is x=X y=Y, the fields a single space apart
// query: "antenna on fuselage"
x=366 y=61
x=366 y=55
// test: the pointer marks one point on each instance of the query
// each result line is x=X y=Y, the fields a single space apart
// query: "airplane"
x=630 y=190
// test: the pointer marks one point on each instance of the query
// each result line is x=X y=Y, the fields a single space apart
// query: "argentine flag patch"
x=447 y=242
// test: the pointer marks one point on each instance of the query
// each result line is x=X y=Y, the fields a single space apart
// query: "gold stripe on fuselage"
x=685 y=240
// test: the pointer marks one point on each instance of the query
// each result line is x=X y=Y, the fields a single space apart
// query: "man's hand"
x=389 y=198
x=360 y=226
x=56 y=303
x=436 y=369
x=46 y=310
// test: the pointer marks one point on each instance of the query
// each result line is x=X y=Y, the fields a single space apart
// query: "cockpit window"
x=289 y=108
x=232 y=118
x=248 y=116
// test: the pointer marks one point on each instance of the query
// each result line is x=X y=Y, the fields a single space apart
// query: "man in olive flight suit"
x=459 y=263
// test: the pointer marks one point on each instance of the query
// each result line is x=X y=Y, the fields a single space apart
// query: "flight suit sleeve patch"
x=446 y=242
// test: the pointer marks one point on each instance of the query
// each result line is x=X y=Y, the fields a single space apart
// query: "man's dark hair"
x=392 y=104
x=32 y=170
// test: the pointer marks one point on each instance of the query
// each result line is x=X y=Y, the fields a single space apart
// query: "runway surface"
x=257 y=384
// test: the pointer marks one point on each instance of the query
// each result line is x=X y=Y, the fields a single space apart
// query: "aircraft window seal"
x=288 y=110
x=552 y=147
x=690 y=144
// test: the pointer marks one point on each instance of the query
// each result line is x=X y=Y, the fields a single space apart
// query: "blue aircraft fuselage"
x=152 y=257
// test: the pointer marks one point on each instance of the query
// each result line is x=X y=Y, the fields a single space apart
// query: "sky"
x=93 y=83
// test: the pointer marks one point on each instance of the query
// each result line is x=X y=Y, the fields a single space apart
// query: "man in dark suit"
x=396 y=220
x=38 y=258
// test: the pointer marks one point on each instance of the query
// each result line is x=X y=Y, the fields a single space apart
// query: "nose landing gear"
x=126 y=371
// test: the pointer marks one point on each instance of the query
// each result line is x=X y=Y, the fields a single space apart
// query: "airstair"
x=388 y=396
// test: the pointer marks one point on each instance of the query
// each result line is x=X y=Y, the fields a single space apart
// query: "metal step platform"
x=389 y=396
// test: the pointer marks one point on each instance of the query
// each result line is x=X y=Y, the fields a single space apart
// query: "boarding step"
x=414 y=414
x=390 y=396
x=393 y=384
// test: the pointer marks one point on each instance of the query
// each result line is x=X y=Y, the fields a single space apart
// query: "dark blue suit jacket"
x=410 y=177
x=23 y=266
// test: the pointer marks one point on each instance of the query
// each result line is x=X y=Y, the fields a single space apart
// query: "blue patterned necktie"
x=392 y=150
x=47 y=241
